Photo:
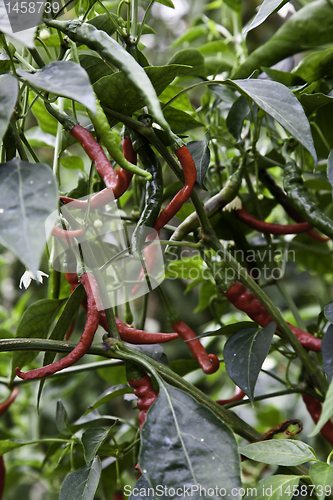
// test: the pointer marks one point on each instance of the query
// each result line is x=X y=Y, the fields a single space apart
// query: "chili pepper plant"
x=166 y=175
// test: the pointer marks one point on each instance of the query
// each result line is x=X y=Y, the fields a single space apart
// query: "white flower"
x=29 y=275
x=235 y=204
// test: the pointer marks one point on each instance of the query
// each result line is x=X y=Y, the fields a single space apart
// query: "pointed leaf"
x=234 y=4
x=82 y=484
x=92 y=440
x=114 y=53
x=118 y=93
x=271 y=488
x=279 y=452
x=143 y=488
x=244 y=354
x=64 y=78
x=62 y=422
x=63 y=324
x=111 y=393
x=328 y=311
x=184 y=443
x=28 y=195
x=326 y=412
x=280 y=103
x=236 y=116
x=201 y=156
x=8 y=97
x=327 y=352
x=35 y=323
x=321 y=476
x=266 y=9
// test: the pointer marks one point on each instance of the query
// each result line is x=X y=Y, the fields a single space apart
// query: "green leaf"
x=47 y=122
x=326 y=412
x=287 y=79
x=309 y=27
x=63 y=324
x=321 y=476
x=72 y=162
x=4 y=63
x=35 y=324
x=111 y=393
x=114 y=53
x=207 y=293
x=64 y=78
x=236 y=116
x=62 y=422
x=7 y=445
x=95 y=67
x=201 y=156
x=167 y=3
x=315 y=66
x=330 y=171
x=234 y=4
x=328 y=311
x=92 y=440
x=104 y=23
x=193 y=33
x=271 y=488
x=217 y=57
x=8 y=97
x=327 y=352
x=244 y=354
x=28 y=194
x=119 y=94
x=191 y=62
x=82 y=484
x=280 y=103
x=180 y=121
x=143 y=487
x=184 y=443
x=39 y=139
x=311 y=102
x=266 y=9
x=279 y=452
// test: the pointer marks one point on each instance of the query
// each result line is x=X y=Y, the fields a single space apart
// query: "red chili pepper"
x=190 y=174
x=208 y=362
x=238 y=396
x=57 y=232
x=3 y=408
x=120 y=181
x=267 y=227
x=245 y=301
x=314 y=408
x=85 y=342
x=146 y=394
x=126 y=332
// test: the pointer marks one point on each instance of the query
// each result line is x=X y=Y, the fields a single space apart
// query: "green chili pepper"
x=114 y=53
x=102 y=127
x=302 y=201
x=310 y=27
x=153 y=198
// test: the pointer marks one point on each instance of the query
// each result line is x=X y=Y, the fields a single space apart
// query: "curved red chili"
x=190 y=174
x=245 y=301
x=120 y=182
x=4 y=406
x=208 y=362
x=57 y=232
x=314 y=408
x=85 y=342
x=126 y=332
x=238 y=396
x=146 y=394
x=270 y=228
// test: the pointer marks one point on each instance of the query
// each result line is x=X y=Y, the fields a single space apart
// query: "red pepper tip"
x=215 y=365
